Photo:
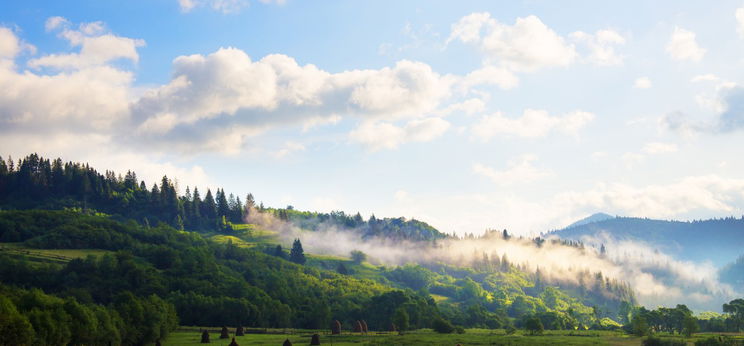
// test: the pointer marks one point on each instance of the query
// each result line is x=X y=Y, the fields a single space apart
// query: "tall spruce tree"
x=297 y=254
x=209 y=207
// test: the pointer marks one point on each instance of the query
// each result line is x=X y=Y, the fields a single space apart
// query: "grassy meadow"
x=192 y=336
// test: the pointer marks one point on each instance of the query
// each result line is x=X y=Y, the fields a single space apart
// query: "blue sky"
x=521 y=115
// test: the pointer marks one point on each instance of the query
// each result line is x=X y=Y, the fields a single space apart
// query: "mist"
x=657 y=279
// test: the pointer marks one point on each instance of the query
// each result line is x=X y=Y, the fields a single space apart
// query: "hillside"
x=70 y=233
x=691 y=241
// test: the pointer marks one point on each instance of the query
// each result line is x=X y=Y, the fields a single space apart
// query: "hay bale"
x=239 y=331
x=205 y=337
x=287 y=343
x=336 y=327
x=315 y=340
x=233 y=343
x=224 y=334
x=357 y=327
x=364 y=327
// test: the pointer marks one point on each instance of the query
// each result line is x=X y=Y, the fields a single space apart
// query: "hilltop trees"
x=36 y=181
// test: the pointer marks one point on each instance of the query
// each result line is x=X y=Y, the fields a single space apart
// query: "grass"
x=192 y=336
x=48 y=255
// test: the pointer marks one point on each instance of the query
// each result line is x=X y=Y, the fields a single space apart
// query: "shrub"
x=534 y=325
x=443 y=326
x=654 y=341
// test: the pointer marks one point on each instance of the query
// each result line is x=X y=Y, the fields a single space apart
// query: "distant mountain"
x=596 y=217
x=719 y=240
x=733 y=273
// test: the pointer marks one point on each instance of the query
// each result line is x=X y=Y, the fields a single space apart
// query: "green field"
x=48 y=255
x=192 y=336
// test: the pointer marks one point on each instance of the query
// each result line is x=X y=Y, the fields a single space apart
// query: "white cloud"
x=518 y=172
x=654 y=148
x=88 y=98
x=10 y=46
x=601 y=46
x=223 y=6
x=468 y=107
x=97 y=47
x=692 y=194
x=490 y=75
x=683 y=46
x=709 y=77
x=228 y=89
x=642 y=83
x=527 y=46
x=533 y=123
x=739 y=14
x=289 y=148
x=56 y=22
x=382 y=135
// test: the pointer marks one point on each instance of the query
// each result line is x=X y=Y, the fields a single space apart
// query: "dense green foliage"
x=390 y=228
x=207 y=283
x=28 y=316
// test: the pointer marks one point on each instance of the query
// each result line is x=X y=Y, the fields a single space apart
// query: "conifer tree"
x=297 y=255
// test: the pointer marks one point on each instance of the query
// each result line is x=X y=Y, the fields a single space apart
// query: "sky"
x=469 y=115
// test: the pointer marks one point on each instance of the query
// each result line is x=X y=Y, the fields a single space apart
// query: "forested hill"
x=35 y=182
x=135 y=262
x=717 y=240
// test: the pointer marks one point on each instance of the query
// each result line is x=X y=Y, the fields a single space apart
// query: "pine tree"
x=297 y=255
x=279 y=252
x=209 y=207
x=223 y=208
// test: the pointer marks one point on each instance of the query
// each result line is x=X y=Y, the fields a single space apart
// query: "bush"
x=534 y=326
x=654 y=341
x=443 y=326
x=717 y=341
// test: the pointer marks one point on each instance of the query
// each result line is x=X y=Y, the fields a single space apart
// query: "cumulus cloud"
x=9 y=44
x=642 y=83
x=533 y=123
x=518 y=172
x=226 y=89
x=683 y=46
x=98 y=47
x=490 y=75
x=382 y=135
x=85 y=97
x=601 y=46
x=728 y=103
x=527 y=46
x=469 y=107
